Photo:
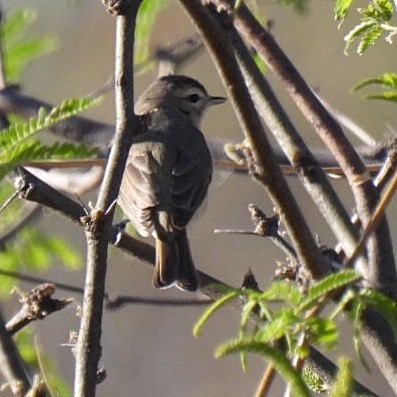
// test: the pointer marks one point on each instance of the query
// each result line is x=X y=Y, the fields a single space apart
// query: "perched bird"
x=168 y=172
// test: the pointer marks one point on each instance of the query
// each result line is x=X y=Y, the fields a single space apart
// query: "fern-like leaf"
x=341 y=9
x=282 y=291
x=382 y=304
x=277 y=358
x=326 y=285
x=18 y=147
x=19 y=48
x=343 y=386
x=213 y=308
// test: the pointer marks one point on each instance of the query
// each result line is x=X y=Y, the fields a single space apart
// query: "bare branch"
x=36 y=305
x=264 y=165
x=11 y=364
x=98 y=223
x=381 y=269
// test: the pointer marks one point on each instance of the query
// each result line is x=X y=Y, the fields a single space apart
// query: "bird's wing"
x=140 y=188
x=192 y=175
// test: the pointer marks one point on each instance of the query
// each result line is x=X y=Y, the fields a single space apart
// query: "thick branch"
x=306 y=166
x=381 y=272
x=266 y=169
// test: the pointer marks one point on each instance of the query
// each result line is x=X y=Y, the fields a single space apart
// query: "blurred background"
x=150 y=351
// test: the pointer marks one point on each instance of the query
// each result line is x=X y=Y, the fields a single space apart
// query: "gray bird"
x=168 y=172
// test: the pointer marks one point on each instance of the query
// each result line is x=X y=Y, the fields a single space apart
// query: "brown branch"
x=36 y=305
x=265 y=167
x=35 y=190
x=98 y=223
x=11 y=364
x=381 y=270
x=305 y=165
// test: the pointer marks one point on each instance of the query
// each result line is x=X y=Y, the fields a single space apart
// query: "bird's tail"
x=186 y=277
x=166 y=266
x=174 y=263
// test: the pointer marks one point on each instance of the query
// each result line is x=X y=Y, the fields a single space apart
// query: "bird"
x=168 y=173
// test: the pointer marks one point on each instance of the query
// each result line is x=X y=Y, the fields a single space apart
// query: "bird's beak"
x=216 y=100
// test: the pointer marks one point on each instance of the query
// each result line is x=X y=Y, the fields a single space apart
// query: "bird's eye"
x=193 y=98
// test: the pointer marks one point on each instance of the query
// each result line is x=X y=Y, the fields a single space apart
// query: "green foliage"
x=233 y=294
x=147 y=15
x=275 y=356
x=285 y=313
x=17 y=145
x=19 y=47
x=298 y=5
x=313 y=381
x=33 y=250
x=388 y=81
x=341 y=9
x=374 y=23
x=367 y=298
x=39 y=362
x=343 y=386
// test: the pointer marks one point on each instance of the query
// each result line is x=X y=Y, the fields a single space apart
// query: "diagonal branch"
x=266 y=170
x=381 y=271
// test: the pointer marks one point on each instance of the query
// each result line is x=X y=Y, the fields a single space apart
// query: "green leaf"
x=326 y=285
x=357 y=31
x=17 y=56
x=313 y=380
x=212 y=309
x=341 y=9
x=17 y=145
x=282 y=291
x=387 y=80
x=23 y=339
x=275 y=356
x=16 y=23
x=386 y=96
x=356 y=312
x=148 y=12
x=281 y=324
x=64 y=252
x=369 y=38
x=380 y=10
x=343 y=386
x=19 y=48
x=323 y=332
x=382 y=304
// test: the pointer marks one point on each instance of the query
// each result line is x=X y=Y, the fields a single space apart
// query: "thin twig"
x=36 y=305
x=266 y=381
x=11 y=364
x=374 y=220
x=347 y=122
x=112 y=301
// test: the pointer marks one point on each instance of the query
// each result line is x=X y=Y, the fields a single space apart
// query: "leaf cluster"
x=20 y=47
x=387 y=82
x=17 y=145
x=31 y=249
x=281 y=322
x=374 y=22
